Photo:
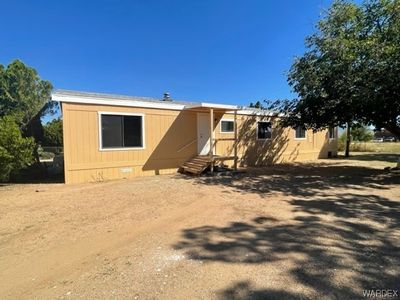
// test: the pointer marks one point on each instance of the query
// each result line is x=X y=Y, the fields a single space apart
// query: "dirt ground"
x=322 y=230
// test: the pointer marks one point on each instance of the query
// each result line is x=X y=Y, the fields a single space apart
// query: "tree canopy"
x=23 y=94
x=350 y=71
x=24 y=99
x=53 y=134
x=16 y=152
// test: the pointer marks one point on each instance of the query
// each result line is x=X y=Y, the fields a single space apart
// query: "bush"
x=16 y=152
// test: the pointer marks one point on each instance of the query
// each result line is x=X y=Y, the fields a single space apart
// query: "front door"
x=203 y=134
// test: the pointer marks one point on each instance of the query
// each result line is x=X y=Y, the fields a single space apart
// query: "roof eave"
x=115 y=102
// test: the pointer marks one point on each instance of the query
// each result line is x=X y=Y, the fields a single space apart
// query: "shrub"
x=16 y=152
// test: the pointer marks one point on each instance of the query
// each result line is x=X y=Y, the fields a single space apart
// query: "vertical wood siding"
x=167 y=132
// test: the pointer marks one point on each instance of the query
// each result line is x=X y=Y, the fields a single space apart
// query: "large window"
x=300 y=132
x=264 y=130
x=121 y=131
x=227 y=126
x=332 y=133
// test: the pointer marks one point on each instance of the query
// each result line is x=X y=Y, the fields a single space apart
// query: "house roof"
x=146 y=102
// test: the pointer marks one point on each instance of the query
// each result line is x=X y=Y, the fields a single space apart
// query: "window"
x=300 y=132
x=332 y=132
x=227 y=126
x=264 y=130
x=121 y=131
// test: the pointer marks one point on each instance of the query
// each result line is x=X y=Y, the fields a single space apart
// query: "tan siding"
x=166 y=134
x=282 y=147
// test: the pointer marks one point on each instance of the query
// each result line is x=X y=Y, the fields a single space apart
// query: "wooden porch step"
x=197 y=164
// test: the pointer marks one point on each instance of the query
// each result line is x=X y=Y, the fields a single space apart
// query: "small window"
x=227 y=126
x=120 y=131
x=264 y=130
x=332 y=134
x=300 y=132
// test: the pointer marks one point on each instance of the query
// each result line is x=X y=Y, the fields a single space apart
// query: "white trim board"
x=81 y=99
x=117 y=102
x=211 y=105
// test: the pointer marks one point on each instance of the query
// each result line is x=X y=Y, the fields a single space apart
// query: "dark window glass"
x=300 y=132
x=111 y=131
x=331 y=132
x=264 y=130
x=133 y=131
x=226 y=126
x=121 y=131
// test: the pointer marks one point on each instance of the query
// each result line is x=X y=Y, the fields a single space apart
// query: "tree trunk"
x=348 y=140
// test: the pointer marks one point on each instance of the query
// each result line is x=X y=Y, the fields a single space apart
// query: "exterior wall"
x=282 y=147
x=170 y=140
x=166 y=132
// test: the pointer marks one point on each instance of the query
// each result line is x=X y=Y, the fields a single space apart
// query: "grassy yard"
x=384 y=147
x=320 y=230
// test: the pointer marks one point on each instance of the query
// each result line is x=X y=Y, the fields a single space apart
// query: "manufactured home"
x=112 y=136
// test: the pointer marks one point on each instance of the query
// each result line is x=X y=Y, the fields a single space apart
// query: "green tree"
x=53 y=134
x=361 y=134
x=258 y=104
x=349 y=73
x=16 y=152
x=25 y=97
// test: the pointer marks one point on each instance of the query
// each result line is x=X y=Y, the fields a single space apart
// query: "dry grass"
x=385 y=147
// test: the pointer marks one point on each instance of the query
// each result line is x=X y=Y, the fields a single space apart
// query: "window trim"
x=300 y=139
x=226 y=120
x=116 y=113
x=265 y=139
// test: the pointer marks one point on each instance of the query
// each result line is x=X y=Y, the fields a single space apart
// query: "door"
x=203 y=134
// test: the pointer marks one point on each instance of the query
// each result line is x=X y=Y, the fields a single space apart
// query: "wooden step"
x=196 y=165
x=205 y=159
x=193 y=164
x=193 y=171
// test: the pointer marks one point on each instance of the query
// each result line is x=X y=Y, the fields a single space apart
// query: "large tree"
x=53 y=133
x=25 y=97
x=16 y=152
x=350 y=73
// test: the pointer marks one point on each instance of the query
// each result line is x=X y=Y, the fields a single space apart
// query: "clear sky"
x=216 y=50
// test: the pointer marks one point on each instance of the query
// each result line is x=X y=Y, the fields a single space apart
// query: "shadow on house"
x=177 y=145
x=261 y=152
x=350 y=238
x=328 y=148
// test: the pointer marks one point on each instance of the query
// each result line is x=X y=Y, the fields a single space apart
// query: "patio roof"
x=206 y=106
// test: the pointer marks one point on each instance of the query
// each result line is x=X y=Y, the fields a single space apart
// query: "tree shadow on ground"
x=36 y=173
x=337 y=244
x=244 y=290
x=308 y=179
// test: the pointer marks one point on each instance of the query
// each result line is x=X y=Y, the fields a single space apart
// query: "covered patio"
x=207 y=150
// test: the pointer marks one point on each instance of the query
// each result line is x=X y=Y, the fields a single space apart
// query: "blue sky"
x=221 y=51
